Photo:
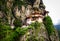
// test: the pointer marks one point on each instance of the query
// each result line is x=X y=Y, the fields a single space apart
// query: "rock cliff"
x=25 y=20
x=39 y=32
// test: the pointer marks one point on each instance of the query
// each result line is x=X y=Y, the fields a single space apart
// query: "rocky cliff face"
x=26 y=22
x=43 y=31
x=40 y=33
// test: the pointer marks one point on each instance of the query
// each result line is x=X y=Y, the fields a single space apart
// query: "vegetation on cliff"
x=7 y=34
x=34 y=32
x=49 y=25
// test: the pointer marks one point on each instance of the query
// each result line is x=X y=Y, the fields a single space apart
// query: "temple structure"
x=36 y=16
x=35 y=12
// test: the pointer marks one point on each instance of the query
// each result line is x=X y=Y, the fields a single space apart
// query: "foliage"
x=17 y=23
x=21 y=31
x=32 y=38
x=59 y=33
x=4 y=30
x=49 y=25
x=36 y=25
x=7 y=34
x=10 y=37
x=3 y=6
x=36 y=30
x=19 y=3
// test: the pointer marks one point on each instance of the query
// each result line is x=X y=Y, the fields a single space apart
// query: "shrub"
x=7 y=34
x=17 y=23
x=49 y=25
x=35 y=25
